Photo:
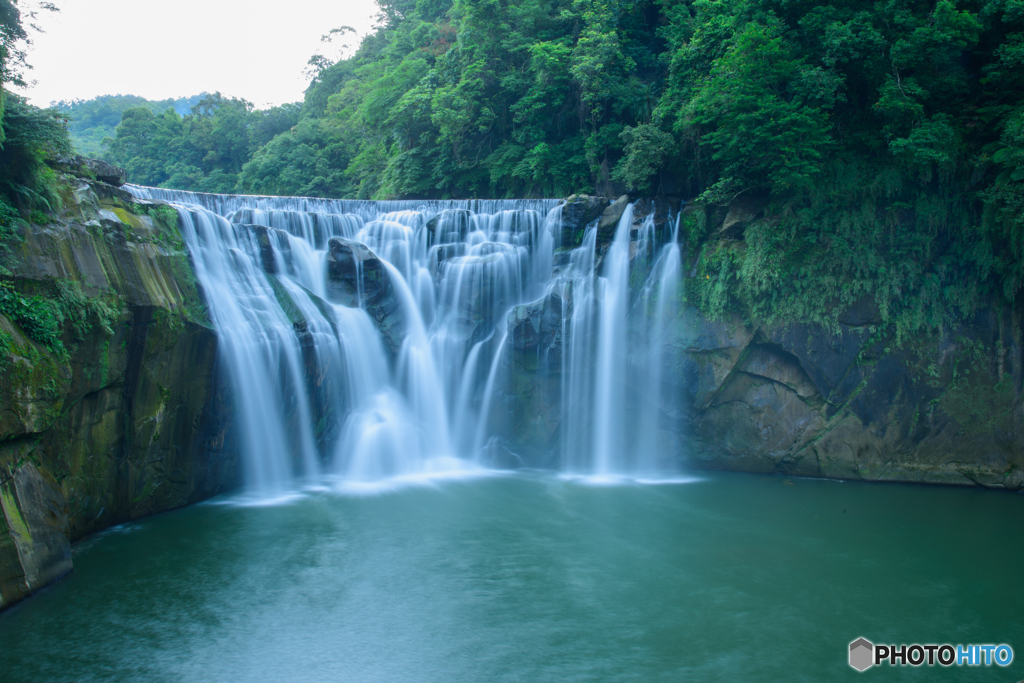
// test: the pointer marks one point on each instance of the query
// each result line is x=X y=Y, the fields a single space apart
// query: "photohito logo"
x=864 y=654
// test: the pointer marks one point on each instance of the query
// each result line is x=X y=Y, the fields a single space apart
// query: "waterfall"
x=364 y=340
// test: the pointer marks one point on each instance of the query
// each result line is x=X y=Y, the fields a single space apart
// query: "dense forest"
x=878 y=146
x=880 y=143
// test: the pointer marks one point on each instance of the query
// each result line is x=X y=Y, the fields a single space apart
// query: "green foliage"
x=1005 y=198
x=762 y=128
x=34 y=137
x=693 y=225
x=165 y=220
x=646 y=149
x=880 y=146
x=43 y=317
x=202 y=151
x=14 y=43
x=9 y=219
x=92 y=122
x=309 y=160
x=40 y=317
x=447 y=98
x=12 y=56
x=5 y=349
x=84 y=312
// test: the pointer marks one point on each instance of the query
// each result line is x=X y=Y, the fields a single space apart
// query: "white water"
x=317 y=392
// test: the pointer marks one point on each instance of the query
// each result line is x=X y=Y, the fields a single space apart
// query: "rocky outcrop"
x=609 y=220
x=578 y=212
x=356 y=277
x=798 y=399
x=272 y=243
x=536 y=328
x=849 y=404
x=531 y=410
x=34 y=548
x=125 y=415
x=662 y=211
x=450 y=226
x=83 y=167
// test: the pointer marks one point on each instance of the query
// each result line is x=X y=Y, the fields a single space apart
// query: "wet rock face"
x=531 y=411
x=662 y=211
x=451 y=226
x=578 y=212
x=271 y=245
x=609 y=221
x=356 y=277
x=354 y=273
x=807 y=401
x=537 y=328
x=34 y=548
x=133 y=418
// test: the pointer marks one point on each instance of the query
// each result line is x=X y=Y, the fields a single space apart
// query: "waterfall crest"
x=364 y=340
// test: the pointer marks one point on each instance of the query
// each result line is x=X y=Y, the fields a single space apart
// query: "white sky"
x=175 y=48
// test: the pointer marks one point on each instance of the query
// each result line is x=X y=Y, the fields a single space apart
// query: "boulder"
x=444 y=252
x=450 y=226
x=731 y=221
x=356 y=277
x=578 y=212
x=536 y=328
x=609 y=221
x=106 y=172
x=83 y=167
x=274 y=248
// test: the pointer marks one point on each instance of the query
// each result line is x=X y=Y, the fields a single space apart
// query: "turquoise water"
x=535 y=578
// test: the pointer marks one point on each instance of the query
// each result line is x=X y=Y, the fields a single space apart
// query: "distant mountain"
x=90 y=121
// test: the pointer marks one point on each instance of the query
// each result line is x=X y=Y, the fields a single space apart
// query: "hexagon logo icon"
x=862 y=654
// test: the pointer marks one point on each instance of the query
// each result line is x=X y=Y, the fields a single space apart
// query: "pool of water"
x=536 y=578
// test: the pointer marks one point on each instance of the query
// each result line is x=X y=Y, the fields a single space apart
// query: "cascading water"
x=364 y=339
x=612 y=424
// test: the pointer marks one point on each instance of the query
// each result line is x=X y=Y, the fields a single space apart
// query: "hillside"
x=92 y=121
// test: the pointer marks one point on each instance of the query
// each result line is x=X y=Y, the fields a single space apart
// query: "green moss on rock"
x=131 y=418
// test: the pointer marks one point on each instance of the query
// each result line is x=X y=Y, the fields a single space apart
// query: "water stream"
x=364 y=339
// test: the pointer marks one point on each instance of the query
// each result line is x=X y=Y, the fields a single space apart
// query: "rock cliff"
x=123 y=413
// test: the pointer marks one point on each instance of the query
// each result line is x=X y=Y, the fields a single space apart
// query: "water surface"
x=536 y=578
